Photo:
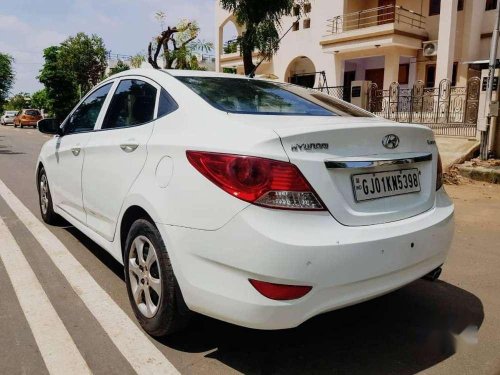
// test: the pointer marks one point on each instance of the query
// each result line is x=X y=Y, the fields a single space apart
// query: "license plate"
x=385 y=184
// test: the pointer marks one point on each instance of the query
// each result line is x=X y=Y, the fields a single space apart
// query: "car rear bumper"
x=344 y=265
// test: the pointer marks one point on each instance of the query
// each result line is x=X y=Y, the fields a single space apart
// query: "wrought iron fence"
x=447 y=110
x=340 y=92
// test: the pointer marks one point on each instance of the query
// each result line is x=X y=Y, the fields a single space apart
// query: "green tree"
x=118 y=68
x=18 y=102
x=136 y=61
x=85 y=56
x=180 y=45
x=60 y=83
x=262 y=22
x=40 y=100
x=6 y=77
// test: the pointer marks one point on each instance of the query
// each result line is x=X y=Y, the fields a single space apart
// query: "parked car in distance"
x=254 y=202
x=27 y=117
x=8 y=117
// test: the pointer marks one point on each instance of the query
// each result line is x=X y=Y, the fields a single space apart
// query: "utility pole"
x=492 y=117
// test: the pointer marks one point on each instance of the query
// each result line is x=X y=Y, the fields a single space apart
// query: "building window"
x=404 y=74
x=454 y=74
x=295 y=26
x=435 y=6
x=307 y=23
x=491 y=4
x=430 y=75
x=296 y=10
x=307 y=8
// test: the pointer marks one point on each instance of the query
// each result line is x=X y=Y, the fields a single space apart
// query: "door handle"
x=129 y=147
x=76 y=151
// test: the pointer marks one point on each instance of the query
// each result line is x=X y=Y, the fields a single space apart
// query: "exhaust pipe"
x=433 y=275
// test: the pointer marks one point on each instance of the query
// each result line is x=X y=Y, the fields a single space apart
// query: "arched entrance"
x=301 y=71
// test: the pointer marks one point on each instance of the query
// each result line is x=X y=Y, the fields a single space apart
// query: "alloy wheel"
x=44 y=194
x=145 y=276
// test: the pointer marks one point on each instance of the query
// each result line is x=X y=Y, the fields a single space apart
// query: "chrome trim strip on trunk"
x=356 y=164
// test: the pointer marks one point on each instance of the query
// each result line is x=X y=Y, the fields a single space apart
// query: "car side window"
x=166 y=104
x=85 y=116
x=133 y=104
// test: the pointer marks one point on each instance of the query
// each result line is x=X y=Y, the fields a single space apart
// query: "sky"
x=126 y=26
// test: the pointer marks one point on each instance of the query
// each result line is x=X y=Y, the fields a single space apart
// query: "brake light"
x=264 y=182
x=280 y=292
x=439 y=174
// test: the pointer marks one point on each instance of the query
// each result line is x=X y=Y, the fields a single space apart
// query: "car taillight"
x=264 y=182
x=439 y=174
x=280 y=292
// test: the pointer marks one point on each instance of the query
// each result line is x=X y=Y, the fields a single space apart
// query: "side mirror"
x=49 y=126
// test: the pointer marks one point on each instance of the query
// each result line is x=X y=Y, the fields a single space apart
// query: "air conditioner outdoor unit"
x=430 y=48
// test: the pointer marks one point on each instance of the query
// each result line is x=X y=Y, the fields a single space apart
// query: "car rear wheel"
x=45 y=199
x=152 y=287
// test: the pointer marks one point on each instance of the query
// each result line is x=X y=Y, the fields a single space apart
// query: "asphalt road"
x=451 y=326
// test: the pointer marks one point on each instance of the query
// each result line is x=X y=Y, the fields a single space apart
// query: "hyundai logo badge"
x=390 y=141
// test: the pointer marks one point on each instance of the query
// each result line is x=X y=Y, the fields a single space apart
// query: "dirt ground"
x=474 y=266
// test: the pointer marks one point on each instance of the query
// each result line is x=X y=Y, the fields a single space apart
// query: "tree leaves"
x=262 y=20
x=6 y=77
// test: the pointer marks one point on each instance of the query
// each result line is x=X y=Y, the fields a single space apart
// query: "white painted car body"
x=351 y=252
x=8 y=117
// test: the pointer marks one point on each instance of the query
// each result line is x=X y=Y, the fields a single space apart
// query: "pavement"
x=455 y=150
x=481 y=170
x=64 y=306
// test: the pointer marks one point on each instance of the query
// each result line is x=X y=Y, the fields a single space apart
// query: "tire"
x=45 y=199
x=166 y=311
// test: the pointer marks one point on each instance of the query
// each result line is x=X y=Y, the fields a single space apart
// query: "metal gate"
x=447 y=110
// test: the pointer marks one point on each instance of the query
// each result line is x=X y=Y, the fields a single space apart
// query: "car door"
x=66 y=162
x=116 y=153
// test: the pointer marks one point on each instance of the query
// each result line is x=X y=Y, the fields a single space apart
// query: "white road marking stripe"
x=143 y=356
x=59 y=352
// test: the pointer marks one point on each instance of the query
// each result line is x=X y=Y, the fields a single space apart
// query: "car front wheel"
x=151 y=284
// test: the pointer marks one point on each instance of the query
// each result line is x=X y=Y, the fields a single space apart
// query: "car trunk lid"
x=333 y=152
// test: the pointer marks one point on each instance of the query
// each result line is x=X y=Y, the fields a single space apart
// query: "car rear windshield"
x=32 y=112
x=252 y=96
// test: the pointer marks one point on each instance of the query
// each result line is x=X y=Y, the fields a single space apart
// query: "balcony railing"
x=373 y=17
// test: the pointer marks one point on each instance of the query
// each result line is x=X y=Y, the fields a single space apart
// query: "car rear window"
x=32 y=112
x=252 y=96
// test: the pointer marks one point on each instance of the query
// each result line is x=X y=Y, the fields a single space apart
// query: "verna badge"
x=390 y=141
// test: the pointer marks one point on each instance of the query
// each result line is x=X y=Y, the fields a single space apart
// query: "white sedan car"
x=8 y=117
x=258 y=203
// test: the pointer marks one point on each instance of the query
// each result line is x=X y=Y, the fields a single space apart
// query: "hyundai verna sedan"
x=258 y=203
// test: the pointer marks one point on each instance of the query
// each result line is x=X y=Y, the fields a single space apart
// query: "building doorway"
x=301 y=71
x=348 y=78
x=376 y=76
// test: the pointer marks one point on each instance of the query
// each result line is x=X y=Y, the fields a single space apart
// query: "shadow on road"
x=4 y=150
x=404 y=332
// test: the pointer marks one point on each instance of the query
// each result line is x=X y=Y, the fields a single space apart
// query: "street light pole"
x=489 y=89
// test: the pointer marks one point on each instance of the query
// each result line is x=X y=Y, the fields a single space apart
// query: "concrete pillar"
x=473 y=20
x=219 y=47
x=339 y=70
x=391 y=68
x=446 y=40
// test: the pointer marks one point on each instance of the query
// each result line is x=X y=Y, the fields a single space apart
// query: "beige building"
x=382 y=41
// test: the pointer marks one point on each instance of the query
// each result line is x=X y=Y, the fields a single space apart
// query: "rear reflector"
x=280 y=292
